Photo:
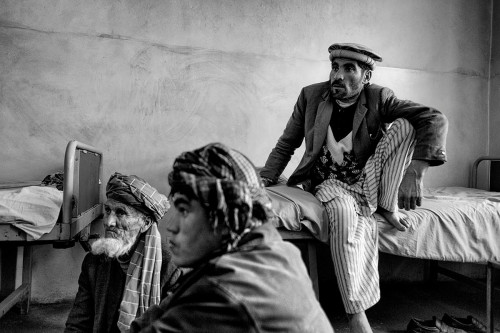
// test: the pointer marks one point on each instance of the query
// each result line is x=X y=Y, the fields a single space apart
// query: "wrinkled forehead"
x=115 y=205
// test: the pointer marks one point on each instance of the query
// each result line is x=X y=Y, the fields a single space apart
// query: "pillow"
x=295 y=208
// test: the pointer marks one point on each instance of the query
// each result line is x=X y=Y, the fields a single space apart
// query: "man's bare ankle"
x=358 y=323
x=393 y=218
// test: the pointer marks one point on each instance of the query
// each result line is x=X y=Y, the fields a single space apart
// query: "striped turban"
x=136 y=192
x=227 y=185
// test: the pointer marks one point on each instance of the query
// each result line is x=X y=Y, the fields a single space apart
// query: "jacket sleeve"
x=206 y=309
x=81 y=316
x=431 y=126
x=289 y=141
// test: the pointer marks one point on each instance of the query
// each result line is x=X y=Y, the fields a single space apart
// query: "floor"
x=399 y=303
x=403 y=301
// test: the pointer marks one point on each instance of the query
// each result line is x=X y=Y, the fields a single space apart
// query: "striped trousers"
x=353 y=229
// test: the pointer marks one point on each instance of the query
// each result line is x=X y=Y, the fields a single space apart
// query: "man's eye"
x=182 y=210
x=107 y=210
x=121 y=212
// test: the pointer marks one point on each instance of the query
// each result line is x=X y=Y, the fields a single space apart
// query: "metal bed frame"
x=435 y=269
x=82 y=205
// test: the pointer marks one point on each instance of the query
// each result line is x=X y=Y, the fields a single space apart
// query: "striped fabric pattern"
x=142 y=286
x=386 y=168
x=353 y=229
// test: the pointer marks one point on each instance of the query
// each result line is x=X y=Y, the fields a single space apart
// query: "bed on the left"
x=32 y=214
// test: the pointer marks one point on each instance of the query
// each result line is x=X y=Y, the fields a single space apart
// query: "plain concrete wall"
x=495 y=83
x=146 y=80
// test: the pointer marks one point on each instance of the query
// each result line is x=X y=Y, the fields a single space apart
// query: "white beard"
x=112 y=247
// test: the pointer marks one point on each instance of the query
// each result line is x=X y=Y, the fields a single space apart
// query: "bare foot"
x=358 y=323
x=394 y=218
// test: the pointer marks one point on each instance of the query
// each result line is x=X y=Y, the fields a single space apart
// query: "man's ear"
x=367 y=76
x=147 y=221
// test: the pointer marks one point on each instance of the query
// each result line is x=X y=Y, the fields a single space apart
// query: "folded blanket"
x=33 y=209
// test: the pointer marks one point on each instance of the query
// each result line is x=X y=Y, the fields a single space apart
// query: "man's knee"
x=401 y=125
x=342 y=205
x=342 y=211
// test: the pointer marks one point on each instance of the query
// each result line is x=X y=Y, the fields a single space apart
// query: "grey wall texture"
x=146 y=80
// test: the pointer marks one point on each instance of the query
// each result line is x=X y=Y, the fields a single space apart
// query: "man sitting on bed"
x=127 y=271
x=355 y=164
x=245 y=278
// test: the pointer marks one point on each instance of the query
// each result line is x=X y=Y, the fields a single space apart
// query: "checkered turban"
x=136 y=192
x=227 y=185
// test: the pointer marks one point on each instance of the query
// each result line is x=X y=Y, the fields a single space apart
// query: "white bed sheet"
x=33 y=209
x=453 y=224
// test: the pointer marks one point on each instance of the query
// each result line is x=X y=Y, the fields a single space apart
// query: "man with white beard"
x=126 y=271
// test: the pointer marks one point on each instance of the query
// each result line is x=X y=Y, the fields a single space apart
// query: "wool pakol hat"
x=354 y=51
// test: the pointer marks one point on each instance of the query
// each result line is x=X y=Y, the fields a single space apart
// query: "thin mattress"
x=453 y=224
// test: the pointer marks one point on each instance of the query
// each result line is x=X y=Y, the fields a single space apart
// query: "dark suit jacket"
x=100 y=289
x=262 y=287
x=376 y=107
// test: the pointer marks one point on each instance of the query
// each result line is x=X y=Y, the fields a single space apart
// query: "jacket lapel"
x=322 y=122
x=360 y=113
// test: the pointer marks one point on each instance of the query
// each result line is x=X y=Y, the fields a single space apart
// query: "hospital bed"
x=454 y=224
x=31 y=214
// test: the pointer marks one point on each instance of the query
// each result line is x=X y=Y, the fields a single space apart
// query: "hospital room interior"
x=134 y=84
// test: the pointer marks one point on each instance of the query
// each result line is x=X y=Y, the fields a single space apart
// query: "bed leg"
x=490 y=290
x=26 y=281
x=10 y=296
x=313 y=266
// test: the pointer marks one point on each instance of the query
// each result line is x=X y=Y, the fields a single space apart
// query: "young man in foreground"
x=244 y=277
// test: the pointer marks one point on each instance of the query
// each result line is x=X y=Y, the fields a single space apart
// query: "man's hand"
x=266 y=181
x=412 y=185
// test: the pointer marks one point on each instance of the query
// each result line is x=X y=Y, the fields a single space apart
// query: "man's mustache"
x=112 y=230
x=337 y=83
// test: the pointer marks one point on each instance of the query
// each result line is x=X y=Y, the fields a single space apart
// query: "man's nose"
x=338 y=75
x=110 y=220
x=173 y=224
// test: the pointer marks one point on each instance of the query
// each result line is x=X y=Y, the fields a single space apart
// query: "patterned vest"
x=336 y=159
